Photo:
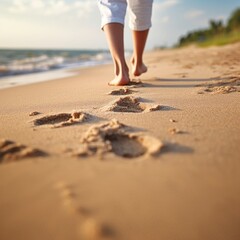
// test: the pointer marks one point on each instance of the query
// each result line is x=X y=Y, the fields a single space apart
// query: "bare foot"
x=138 y=69
x=119 y=81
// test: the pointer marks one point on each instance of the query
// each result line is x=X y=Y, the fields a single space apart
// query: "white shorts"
x=114 y=11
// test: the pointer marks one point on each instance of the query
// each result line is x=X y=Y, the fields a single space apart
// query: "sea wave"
x=20 y=63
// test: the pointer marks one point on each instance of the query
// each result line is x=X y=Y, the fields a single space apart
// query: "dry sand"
x=159 y=159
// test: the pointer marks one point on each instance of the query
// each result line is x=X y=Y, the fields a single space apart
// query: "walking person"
x=113 y=15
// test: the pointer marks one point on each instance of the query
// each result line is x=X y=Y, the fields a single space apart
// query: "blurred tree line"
x=216 y=28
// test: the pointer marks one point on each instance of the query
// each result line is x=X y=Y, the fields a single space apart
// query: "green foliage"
x=234 y=20
x=222 y=39
x=216 y=33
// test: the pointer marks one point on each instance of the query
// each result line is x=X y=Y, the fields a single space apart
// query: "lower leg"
x=114 y=34
x=139 y=41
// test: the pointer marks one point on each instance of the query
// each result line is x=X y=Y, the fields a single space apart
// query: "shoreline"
x=38 y=64
x=31 y=78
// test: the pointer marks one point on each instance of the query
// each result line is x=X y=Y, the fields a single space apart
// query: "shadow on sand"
x=175 y=82
x=176 y=148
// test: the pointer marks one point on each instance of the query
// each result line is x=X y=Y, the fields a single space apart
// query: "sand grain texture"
x=116 y=137
x=151 y=184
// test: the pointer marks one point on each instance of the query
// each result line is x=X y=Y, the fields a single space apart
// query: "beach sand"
x=155 y=160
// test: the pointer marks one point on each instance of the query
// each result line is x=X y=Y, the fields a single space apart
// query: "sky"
x=75 y=24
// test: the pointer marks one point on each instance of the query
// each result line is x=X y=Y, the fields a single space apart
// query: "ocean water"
x=17 y=62
x=26 y=66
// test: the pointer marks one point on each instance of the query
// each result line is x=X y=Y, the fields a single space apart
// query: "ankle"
x=136 y=61
x=121 y=65
x=138 y=68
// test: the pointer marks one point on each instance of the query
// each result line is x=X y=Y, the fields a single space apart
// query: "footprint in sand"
x=131 y=104
x=119 y=139
x=62 y=119
x=11 y=151
x=91 y=229
x=122 y=91
x=219 y=90
x=68 y=196
x=70 y=200
x=135 y=83
x=232 y=84
x=87 y=227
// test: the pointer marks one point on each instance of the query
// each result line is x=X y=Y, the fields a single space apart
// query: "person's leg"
x=140 y=23
x=113 y=15
x=114 y=34
x=139 y=41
